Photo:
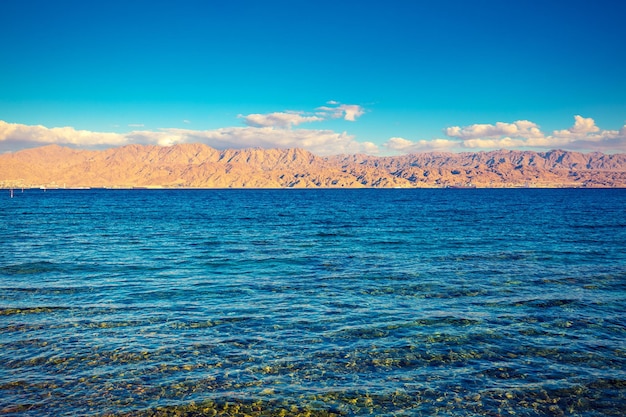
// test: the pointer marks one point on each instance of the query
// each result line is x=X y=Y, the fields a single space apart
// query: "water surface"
x=313 y=302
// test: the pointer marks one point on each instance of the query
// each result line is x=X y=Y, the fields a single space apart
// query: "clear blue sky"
x=331 y=76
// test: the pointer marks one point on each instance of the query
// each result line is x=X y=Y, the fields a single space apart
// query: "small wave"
x=447 y=321
x=30 y=268
x=493 y=257
x=598 y=226
x=541 y=303
x=29 y=310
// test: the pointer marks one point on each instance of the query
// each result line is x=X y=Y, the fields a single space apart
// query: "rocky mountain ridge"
x=200 y=166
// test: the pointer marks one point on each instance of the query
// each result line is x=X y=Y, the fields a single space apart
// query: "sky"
x=333 y=77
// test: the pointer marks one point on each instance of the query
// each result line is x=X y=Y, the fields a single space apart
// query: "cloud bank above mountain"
x=584 y=135
x=285 y=129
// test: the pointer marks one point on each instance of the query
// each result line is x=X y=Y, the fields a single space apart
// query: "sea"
x=325 y=302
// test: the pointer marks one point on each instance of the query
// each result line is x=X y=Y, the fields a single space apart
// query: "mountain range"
x=200 y=166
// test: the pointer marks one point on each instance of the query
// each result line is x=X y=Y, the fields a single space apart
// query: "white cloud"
x=275 y=131
x=502 y=143
x=369 y=148
x=272 y=130
x=406 y=146
x=584 y=136
x=289 y=119
x=349 y=112
x=520 y=128
x=582 y=127
x=283 y=120
x=320 y=142
x=62 y=135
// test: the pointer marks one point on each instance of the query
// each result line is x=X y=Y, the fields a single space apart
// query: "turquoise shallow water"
x=313 y=302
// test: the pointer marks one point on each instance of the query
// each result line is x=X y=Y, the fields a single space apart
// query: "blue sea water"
x=313 y=302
